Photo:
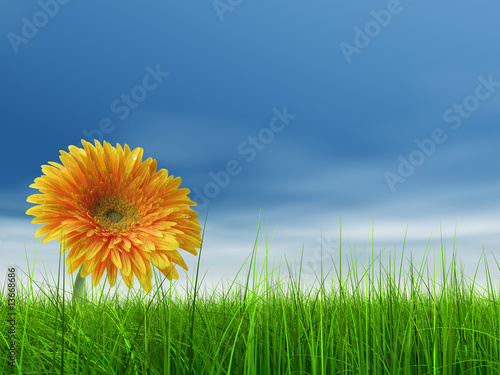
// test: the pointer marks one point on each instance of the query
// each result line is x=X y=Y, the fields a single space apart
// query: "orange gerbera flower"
x=115 y=212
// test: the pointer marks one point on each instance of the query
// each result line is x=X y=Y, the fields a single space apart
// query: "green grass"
x=265 y=326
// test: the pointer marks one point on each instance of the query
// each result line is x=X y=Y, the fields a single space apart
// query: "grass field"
x=265 y=326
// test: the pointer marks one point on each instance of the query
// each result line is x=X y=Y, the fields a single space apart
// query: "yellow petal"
x=136 y=258
x=126 y=267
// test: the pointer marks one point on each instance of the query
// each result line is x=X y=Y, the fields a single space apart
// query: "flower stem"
x=78 y=289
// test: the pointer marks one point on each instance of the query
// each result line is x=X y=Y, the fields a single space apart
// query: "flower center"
x=115 y=213
x=114 y=216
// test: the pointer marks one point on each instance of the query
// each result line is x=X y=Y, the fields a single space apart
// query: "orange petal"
x=97 y=274
x=94 y=247
x=112 y=273
x=138 y=261
x=151 y=231
x=116 y=258
x=126 y=267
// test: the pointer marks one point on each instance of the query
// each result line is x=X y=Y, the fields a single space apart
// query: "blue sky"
x=384 y=111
